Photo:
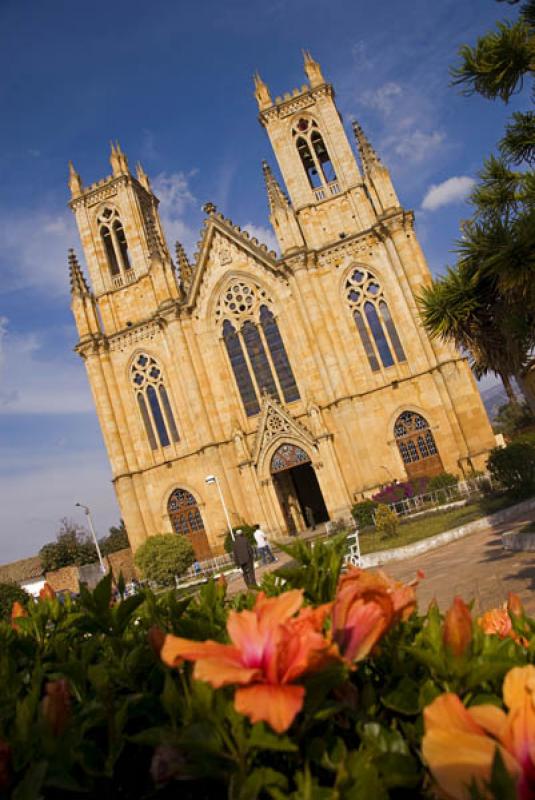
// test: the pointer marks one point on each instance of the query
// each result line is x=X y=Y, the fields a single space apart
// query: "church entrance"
x=297 y=488
x=187 y=521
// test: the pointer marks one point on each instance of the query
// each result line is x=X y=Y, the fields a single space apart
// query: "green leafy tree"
x=117 y=539
x=164 y=556
x=512 y=419
x=486 y=303
x=514 y=467
x=9 y=593
x=73 y=545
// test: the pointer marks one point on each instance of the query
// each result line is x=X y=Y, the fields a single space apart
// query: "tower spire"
x=118 y=160
x=313 y=70
x=76 y=276
x=142 y=177
x=75 y=182
x=184 y=267
x=261 y=92
x=276 y=197
x=369 y=158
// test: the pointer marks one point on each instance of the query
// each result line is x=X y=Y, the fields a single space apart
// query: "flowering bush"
x=399 y=490
x=321 y=685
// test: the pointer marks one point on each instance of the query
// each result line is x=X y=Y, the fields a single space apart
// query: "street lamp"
x=93 y=534
x=209 y=480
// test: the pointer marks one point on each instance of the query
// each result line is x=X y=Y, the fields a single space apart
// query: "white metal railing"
x=352 y=556
x=439 y=497
x=202 y=570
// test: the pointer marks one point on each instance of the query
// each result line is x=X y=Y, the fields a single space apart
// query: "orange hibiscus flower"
x=270 y=649
x=498 y=622
x=459 y=744
x=367 y=604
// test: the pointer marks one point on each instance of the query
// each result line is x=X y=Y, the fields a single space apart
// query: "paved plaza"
x=475 y=567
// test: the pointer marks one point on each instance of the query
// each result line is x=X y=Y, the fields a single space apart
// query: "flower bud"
x=457 y=630
x=56 y=705
x=47 y=592
x=17 y=610
x=514 y=605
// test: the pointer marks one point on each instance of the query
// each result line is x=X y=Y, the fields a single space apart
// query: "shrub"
x=248 y=531
x=514 y=467
x=386 y=520
x=399 y=490
x=363 y=513
x=162 y=557
x=442 y=481
x=9 y=593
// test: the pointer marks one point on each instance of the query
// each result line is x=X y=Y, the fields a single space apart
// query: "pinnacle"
x=368 y=156
x=276 y=197
x=78 y=282
x=184 y=267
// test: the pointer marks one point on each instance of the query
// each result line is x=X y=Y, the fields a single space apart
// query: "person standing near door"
x=309 y=514
x=244 y=558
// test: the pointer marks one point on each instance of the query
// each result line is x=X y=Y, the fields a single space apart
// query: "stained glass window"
x=240 y=369
x=278 y=355
x=414 y=438
x=288 y=456
x=152 y=396
x=257 y=357
x=373 y=319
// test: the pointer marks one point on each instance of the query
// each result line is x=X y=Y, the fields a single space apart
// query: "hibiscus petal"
x=491 y=718
x=456 y=758
x=447 y=712
x=223 y=672
x=273 y=611
x=519 y=732
x=276 y=705
x=365 y=624
x=175 y=648
x=244 y=631
x=518 y=681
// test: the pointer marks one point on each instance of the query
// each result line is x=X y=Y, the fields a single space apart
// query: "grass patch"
x=432 y=524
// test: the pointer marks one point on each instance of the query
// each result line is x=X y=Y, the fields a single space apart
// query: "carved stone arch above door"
x=277 y=426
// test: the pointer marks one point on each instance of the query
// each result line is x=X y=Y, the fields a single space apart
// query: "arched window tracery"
x=417 y=445
x=153 y=401
x=364 y=295
x=314 y=155
x=255 y=346
x=114 y=242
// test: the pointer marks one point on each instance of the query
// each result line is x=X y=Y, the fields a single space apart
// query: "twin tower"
x=302 y=381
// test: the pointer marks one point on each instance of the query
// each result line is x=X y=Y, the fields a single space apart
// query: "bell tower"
x=130 y=268
x=330 y=197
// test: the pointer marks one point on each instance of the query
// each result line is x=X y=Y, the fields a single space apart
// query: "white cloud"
x=33 y=383
x=33 y=250
x=384 y=99
x=38 y=489
x=453 y=190
x=176 y=200
x=417 y=146
x=264 y=235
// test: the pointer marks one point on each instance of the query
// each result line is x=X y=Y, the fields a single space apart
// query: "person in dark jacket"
x=244 y=557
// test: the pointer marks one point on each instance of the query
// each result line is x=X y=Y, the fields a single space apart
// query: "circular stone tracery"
x=241 y=299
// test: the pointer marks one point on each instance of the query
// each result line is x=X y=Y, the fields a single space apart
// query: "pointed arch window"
x=255 y=347
x=416 y=445
x=153 y=402
x=114 y=242
x=380 y=339
x=314 y=155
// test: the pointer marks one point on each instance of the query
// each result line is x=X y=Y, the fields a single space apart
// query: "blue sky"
x=172 y=82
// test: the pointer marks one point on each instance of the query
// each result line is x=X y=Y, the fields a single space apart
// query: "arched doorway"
x=297 y=488
x=186 y=519
x=417 y=446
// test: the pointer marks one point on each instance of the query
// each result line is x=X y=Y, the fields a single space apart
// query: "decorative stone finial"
x=313 y=70
x=76 y=277
x=261 y=92
x=184 y=267
x=142 y=177
x=276 y=197
x=75 y=182
x=209 y=208
x=118 y=160
x=369 y=158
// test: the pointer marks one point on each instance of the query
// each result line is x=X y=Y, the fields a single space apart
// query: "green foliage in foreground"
x=162 y=557
x=9 y=594
x=122 y=725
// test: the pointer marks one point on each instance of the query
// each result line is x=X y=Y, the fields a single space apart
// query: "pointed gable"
x=276 y=425
x=225 y=248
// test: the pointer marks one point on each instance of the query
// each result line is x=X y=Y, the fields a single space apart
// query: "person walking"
x=264 y=550
x=311 y=522
x=244 y=558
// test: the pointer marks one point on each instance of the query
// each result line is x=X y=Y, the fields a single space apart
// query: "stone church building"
x=301 y=381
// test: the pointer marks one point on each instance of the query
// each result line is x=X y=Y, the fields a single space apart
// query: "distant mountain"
x=493 y=398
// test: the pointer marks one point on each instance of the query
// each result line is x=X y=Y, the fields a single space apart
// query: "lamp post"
x=93 y=534
x=209 y=480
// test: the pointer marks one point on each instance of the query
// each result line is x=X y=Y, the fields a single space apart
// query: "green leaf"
x=102 y=595
x=404 y=698
x=260 y=779
x=501 y=783
x=170 y=697
x=263 y=739
x=30 y=786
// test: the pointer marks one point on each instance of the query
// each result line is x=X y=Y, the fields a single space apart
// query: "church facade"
x=303 y=381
